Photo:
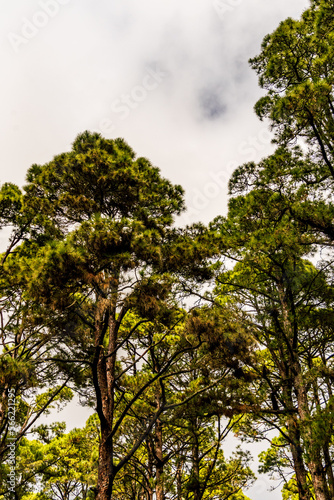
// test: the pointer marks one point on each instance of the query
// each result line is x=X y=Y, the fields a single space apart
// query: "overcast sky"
x=172 y=78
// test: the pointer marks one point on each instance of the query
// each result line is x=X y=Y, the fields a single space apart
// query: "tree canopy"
x=176 y=337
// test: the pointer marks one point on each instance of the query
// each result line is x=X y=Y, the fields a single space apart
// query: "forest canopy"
x=176 y=337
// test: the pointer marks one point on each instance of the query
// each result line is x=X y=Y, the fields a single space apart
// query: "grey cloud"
x=211 y=103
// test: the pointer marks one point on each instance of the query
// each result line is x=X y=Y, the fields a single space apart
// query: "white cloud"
x=67 y=76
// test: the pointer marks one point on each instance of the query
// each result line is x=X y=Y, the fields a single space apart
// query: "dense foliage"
x=176 y=337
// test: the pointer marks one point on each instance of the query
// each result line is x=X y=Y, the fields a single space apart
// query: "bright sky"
x=172 y=78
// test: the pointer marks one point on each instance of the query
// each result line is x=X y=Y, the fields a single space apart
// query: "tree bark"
x=150 y=459
x=298 y=460
x=160 y=464
x=329 y=469
x=179 y=480
x=312 y=445
x=104 y=376
x=312 y=448
x=195 y=471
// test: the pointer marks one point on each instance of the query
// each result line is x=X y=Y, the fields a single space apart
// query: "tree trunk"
x=179 y=480
x=329 y=469
x=195 y=471
x=325 y=445
x=160 y=464
x=104 y=376
x=318 y=479
x=298 y=461
x=312 y=445
x=150 y=459
x=105 y=469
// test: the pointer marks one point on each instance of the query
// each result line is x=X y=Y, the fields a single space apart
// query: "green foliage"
x=64 y=466
x=101 y=177
x=93 y=285
x=296 y=68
